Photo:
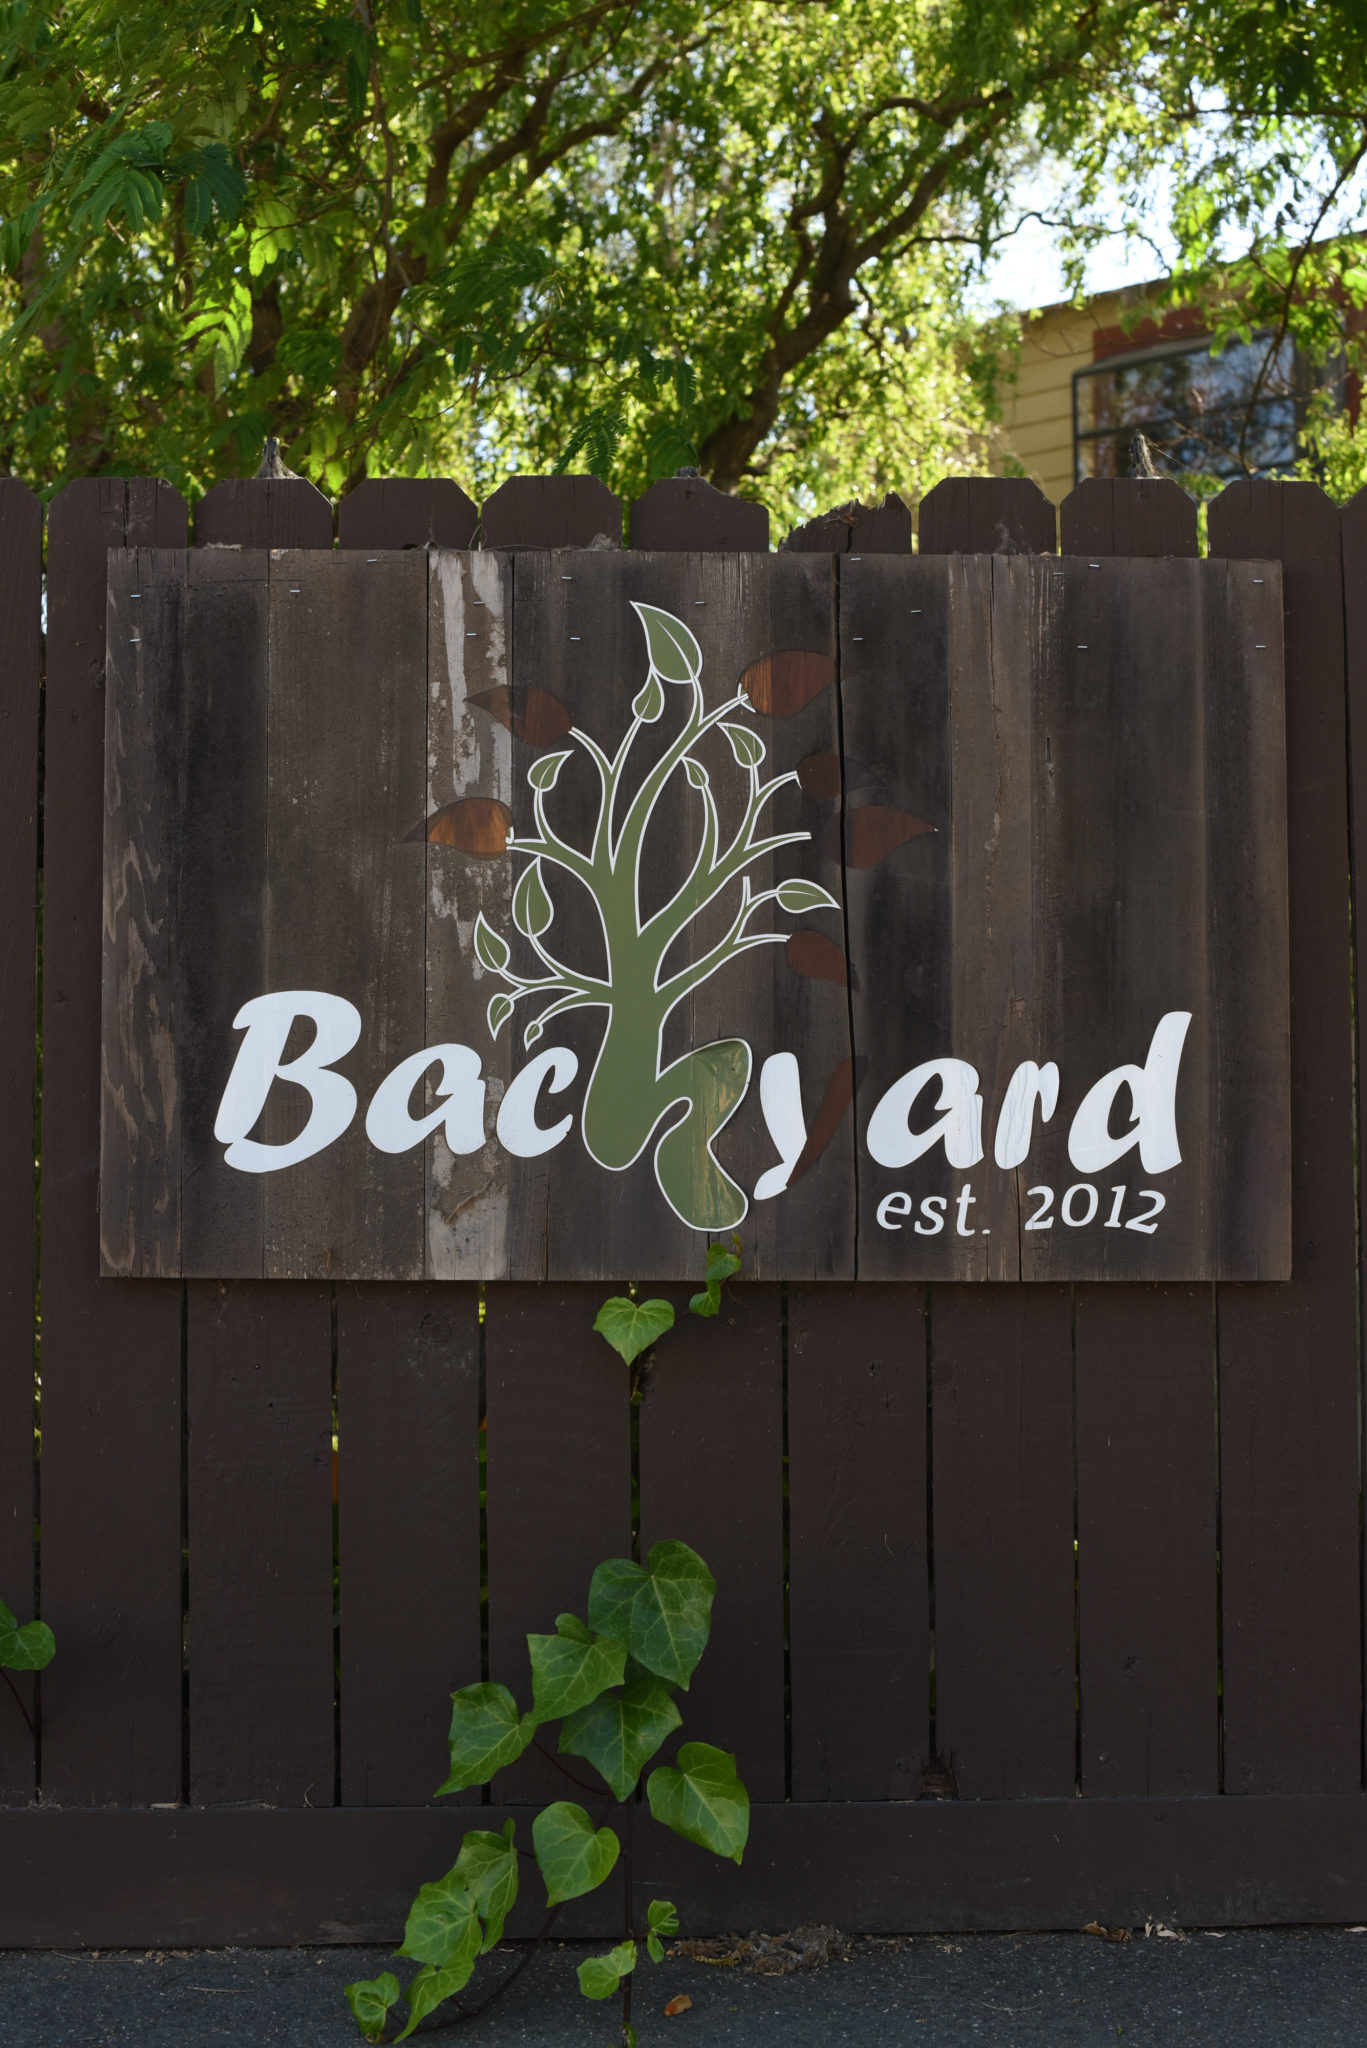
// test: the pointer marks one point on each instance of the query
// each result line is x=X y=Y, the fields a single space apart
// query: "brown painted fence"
x=1037 y=1603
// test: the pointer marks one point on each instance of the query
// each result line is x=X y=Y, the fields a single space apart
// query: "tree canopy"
x=408 y=236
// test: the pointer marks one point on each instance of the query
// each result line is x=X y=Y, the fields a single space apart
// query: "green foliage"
x=721 y=1265
x=633 y=235
x=631 y=1327
x=30 y=1648
x=610 y=1683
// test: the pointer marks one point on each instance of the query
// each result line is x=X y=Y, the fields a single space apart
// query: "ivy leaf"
x=721 y=1265
x=532 y=907
x=695 y=772
x=490 y=950
x=486 y=1734
x=675 y=655
x=620 y=1733
x=544 y=772
x=600 y=1976
x=567 y=1675
x=371 y=1999
x=662 y=1917
x=662 y=1614
x=747 y=746
x=797 y=896
x=443 y=1926
x=500 y=1010
x=430 y=1987
x=631 y=1326
x=703 y=1799
x=650 y=702
x=573 y=1629
x=488 y=1865
x=30 y=1648
x=573 y=1858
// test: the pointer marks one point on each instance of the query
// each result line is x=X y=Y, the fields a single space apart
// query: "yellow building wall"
x=1037 y=424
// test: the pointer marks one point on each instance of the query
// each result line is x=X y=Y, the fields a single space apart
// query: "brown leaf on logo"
x=537 y=717
x=837 y=1099
x=683 y=2003
x=819 y=775
x=819 y=958
x=876 y=831
x=476 y=824
x=783 y=683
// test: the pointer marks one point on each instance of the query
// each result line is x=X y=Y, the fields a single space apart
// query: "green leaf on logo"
x=648 y=705
x=703 y=1800
x=488 y=1864
x=533 y=1032
x=566 y=1675
x=532 y=907
x=544 y=771
x=619 y=1734
x=33 y=1647
x=486 y=1734
x=630 y=1326
x=370 y=2000
x=443 y=1926
x=796 y=896
x=747 y=746
x=662 y=1614
x=490 y=950
x=696 y=773
x=600 y=1976
x=573 y=1858
x=500 y=1010
x=675 y=655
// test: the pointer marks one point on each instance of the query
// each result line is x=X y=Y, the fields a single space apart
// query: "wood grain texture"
x=259 y=1391
x=681 y=512
x=1147 y=1607
x=1128 y=516
x=859 y=1621
x=551 y=512
x=1002 y=1419
x=881 y=529
x=1354 y=543
x=712 y=1476
x=986 y=515
x=111 y=1349
x=1147 y=1388
x=1289 y=1378
x=994 y=701
x=406 y=512
x=21 y=666
x=408 y=1426
x=469 y=763
x=559 y=1481
x=258 y=513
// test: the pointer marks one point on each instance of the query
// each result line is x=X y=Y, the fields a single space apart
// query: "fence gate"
x=1037 y=1528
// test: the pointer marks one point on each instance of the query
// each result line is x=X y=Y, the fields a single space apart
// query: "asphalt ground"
x=1295 y=1987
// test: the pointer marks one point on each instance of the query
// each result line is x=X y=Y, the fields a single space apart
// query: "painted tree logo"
x=632 y=1097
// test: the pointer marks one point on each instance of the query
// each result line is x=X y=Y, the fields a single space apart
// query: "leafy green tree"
x=405 y=235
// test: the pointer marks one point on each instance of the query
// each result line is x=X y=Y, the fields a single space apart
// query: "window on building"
x=1204 y=414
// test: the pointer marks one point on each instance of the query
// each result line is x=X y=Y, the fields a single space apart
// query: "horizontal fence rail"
x=1036 y=1603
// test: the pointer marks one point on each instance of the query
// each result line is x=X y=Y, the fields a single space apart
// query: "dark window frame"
x=1161 y=351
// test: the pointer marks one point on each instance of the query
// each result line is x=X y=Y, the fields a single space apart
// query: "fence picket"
x=21 y=570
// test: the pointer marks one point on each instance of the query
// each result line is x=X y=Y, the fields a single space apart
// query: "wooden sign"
x=480 y=916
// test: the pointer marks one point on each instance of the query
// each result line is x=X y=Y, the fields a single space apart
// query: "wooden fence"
x=1037 y=1603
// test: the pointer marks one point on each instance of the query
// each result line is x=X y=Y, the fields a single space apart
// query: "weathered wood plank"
x=260 y=1627
x=406 y=512
x=859 y=1619
x=711 y=1461
x=1002 y=1420
x=111 y=1349
x=682 y=512
x=881 y=529
x=408 y=1425
x=21 y=665
x=1146 y=1406
x=986 y=515
x=559 y=1482
x=469 y=783
x=1289 y=1374
x=551 y=512
x=344 y=910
